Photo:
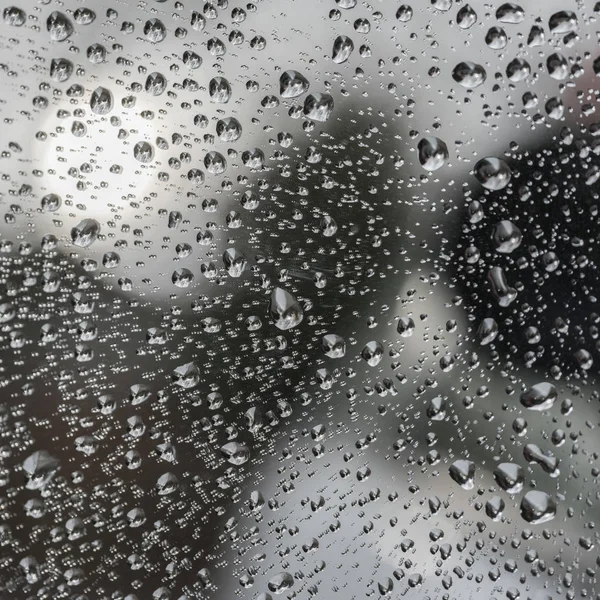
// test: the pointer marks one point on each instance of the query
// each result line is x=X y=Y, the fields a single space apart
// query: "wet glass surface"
x=299 y=299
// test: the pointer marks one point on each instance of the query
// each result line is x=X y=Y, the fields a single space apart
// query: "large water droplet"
x=537 y=507
x=182 y=278
x=101 y=101
x=186 y=376
x=563 y=22
x=253 y=158
x=235 y=262
x=487 y=331
x=494 y=507
x=318 y=107
x=463 y=473
x=406 y=326
x=39 y=468
x=59 y=26
x=285 y=310
x=502 y=292
x=156 y=84
x=84 y=16
x=404 y=13
x=155 y=31
x=558 y=67
x=333 y=345
x=442 y=5
x=518 y=70
x=144 y=152
x=493 y=173
x=510 y=477
x=61 y=69
x=51 y=202
x=469 y=74
x=540 y=396
x=533 y=454
x=496 y=38
x=281 y=583
x=292 y=84
x=215 y=163
x=85 y=233
x=372 y=353
x=433 y=153
x=507 y=237
x=236 y=453
x=219 y=90
x=229 y=129
x=510 y=13
x=342 y=49
x=14 y=16
x=466 y=17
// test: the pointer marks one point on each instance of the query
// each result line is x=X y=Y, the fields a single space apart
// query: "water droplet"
x=487 y=331
x=219 y=90
x=156 y=84
x=537 y=507
x=466 y=17
x=182 y=278
x=342 y=49
x=347 y=4
x=84 y=16
x=328 y=226
x=39 y=468
x=496 y=38
x=280 y=583
x=144 y=152
x=558 y=67
x=442 y=5
x=285 y=310
x=333 y=345
x=494 y=507
x=510 y=477
x=85 y=233
x=563 y=22
x=253 y=158
x=59 y=26
x=236 y=453
x=14 y=16
x=406 y=326
x=318 y=107
x=469 y=74
x=540 y=396
x=436 y=409
x=61 y=69
x=433 y=153
x=51 y=202
x=493 y=173
x=507 y=237
x=186 y=376
x=101 y=101
x=502 y=292
x=229 y=129
x=463 y=473
x=215 y=163
x=518 y=70
x=292 y=84
x=404 y=13
x=510 y=13
x=235 y=262
x=372 y=353
x=155 y=31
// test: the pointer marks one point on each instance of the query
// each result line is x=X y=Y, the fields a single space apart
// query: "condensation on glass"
x=299 y=298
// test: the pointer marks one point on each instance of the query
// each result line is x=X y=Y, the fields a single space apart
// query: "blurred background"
x=162 y=436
